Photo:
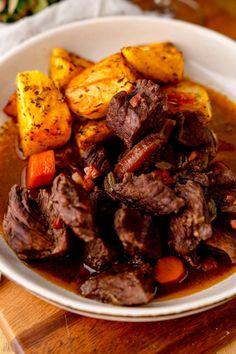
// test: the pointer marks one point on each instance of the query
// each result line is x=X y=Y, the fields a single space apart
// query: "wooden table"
x=33 y=326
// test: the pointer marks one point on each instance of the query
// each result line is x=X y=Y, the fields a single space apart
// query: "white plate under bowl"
x=210 y=59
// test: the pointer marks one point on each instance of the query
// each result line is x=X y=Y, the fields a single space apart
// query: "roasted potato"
x=43 y=116
x=91 y=133
x=89 y=93
x=64 y=66
x=188 y=96
x=11 y=107
x=159 y=61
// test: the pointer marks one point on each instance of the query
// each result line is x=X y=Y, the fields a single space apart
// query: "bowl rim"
x=94 y=307
x=178 y=23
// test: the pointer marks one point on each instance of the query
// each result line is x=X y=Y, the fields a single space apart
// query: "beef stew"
x=147 y=191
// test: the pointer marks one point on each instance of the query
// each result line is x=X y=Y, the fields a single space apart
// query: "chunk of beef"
x=142 y=152
x=67 y=158
x=201 y=178
x=193 y=259
x=192 y=130
x=144 y=192
x=191 y=226
x=196 y=161
x=199 y=160
x=221 y=176
x=138 y=233
x=99 y=254
x=223 y=241
x=131 y=117
x=104 y=208
x=73 y=206
x=33 y=227
x=96 y=159
x=127 y=287
x=225 y=200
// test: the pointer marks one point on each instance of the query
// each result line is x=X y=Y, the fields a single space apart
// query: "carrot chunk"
x=41 y=169
x=169 y=270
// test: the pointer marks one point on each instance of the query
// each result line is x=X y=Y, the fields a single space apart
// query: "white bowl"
x=210 y=59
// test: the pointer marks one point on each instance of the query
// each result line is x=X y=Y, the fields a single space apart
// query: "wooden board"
x=33 y=326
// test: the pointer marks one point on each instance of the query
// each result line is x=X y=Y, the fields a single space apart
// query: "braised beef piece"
x=223 y=241
x=98 y=254
x=102 y=204
x=198 y=160
x=221 y=176
x=127 y=286
x=33 y=227
x=225 y=200
x=145 y=192
x=213 y=146
x=143 y=151
x=132 y=116
x=104 y=208
x=96 y=158
x=67 y=158
x=192 y=130
x=138 y=232
x=191 y=225
x=201 y=178
x=74 y=208
x=193 y=259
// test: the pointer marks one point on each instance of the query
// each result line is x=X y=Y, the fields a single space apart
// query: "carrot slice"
x=11 y=107
x=169 y=270
x=41 y=169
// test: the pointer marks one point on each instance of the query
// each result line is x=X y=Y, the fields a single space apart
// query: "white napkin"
x=61 y=13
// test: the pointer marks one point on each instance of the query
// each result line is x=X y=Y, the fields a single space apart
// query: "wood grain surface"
x=33 y=326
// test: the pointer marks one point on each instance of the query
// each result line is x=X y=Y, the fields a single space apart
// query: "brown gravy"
x=68 y=272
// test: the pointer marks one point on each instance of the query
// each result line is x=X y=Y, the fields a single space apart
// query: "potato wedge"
x=158 y=61
x=11 y=107
x=89 y=93
x=91 y=133
x=64 y=66
x=43 y=116
x=188 y=96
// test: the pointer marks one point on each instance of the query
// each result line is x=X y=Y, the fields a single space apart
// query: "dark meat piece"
x=104 y=208
x=98 y=254
x=96 y=158
x=127 y=287
x=221 y=176
x=32 y=226
x=191 y=226
x=198 y=160
x=143 y=151
x=138 y=233
x=225 y=200
x=145 y=192
x=191 y=129
x=213 y=146
x=132 y=118
x=201 y=178
x=193 y=259
x=74 y=207
x=223 y=241
x=67 y=158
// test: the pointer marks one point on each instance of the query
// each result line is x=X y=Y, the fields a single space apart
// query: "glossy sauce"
x=68 y=272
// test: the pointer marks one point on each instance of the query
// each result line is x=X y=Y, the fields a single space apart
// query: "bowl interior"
x=210 y=60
